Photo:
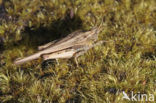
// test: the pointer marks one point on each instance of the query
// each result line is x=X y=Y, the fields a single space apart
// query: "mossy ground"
x=127 y=64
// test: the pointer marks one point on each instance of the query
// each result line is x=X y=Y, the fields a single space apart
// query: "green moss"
x=127 y=64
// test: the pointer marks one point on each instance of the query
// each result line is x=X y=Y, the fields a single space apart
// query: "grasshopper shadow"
x=58 y=29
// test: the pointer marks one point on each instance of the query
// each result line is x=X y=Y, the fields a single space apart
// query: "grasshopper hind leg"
x=47 y=57
x=46 y=45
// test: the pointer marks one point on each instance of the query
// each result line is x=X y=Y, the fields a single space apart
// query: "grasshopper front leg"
x=83 y=50
x=77 y=55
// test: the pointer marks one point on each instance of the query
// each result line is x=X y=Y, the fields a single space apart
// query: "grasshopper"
x=73 y=45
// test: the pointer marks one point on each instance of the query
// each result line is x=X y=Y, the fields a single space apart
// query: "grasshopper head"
x=95 y=31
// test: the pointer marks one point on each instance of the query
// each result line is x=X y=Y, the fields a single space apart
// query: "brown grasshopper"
x=73 y=45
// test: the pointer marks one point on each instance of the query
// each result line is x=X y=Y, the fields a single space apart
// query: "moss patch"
x=127 y=64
